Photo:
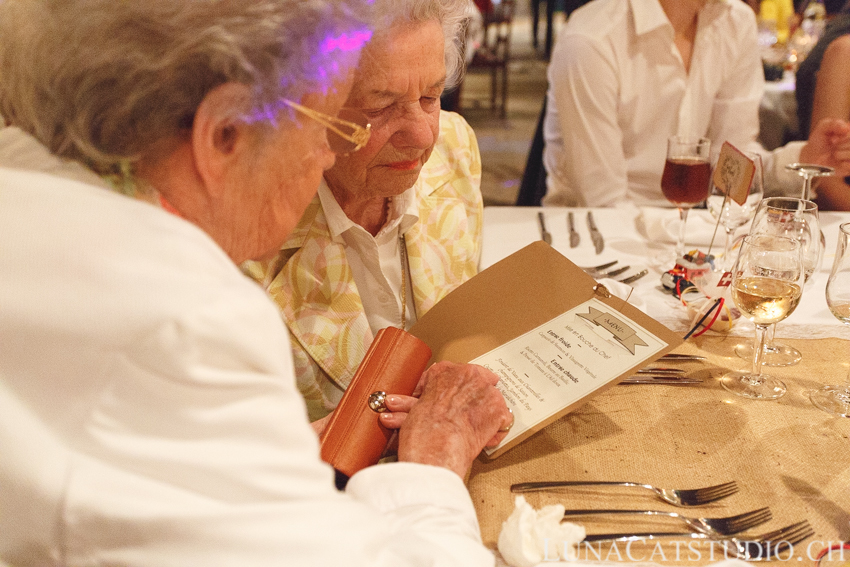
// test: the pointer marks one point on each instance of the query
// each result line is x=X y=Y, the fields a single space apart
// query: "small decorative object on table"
x=702 y=291
x=737 y=188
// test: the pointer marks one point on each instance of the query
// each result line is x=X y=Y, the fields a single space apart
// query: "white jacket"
x=149 y=417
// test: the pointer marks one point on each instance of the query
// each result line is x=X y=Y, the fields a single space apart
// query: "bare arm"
x=832 y=100
x=832 y=93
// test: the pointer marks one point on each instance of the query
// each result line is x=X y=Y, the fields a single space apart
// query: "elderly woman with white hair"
x=148 y=416
x=395 y=226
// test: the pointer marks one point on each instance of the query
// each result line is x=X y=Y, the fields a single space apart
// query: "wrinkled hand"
x=399 y=406
x=459 y=412
x=829 y=144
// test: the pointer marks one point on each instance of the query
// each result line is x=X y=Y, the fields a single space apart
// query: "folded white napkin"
x=540 y=538
x=662 y=225
x=530 y=536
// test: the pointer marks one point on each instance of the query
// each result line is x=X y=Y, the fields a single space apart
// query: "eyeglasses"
x=345 y=135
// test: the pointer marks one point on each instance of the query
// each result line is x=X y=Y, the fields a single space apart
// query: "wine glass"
x=686 y=177
x=809 y=171
x=797 y=219
x=767 y=282
x=835 y=399
x=732 y=215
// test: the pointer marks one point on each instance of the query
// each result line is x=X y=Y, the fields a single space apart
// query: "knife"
x=660 y=380
x=595 y=235
x=574 y=237
x=676 y=356
x=659 y=371
x=544 y=234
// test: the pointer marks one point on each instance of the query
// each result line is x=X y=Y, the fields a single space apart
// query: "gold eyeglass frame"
x=359 y=135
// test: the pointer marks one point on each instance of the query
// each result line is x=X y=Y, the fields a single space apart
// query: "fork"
x=610 y=273
x=634 y=277
x=693 y=497
x=757 y=548
x=600 y=268
x=711 y=526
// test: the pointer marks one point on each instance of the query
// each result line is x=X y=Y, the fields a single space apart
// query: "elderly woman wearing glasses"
x=148 y=416
x=395 y=226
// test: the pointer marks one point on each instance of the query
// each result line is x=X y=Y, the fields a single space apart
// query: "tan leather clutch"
x=354 y=438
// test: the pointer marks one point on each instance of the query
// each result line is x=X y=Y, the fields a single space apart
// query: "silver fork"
x=634 y=277
x=597 y=269
x=610 y=273
x=692 y=497
x=711 y=526
x=757 y=548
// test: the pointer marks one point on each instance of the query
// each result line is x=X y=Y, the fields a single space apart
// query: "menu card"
x=553 y=335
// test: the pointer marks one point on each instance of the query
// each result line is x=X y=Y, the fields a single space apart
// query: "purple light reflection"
x=322 y=68
x=346 y=42
x=326 y=64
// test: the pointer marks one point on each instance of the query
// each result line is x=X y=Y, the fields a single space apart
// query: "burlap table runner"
x=785 y=454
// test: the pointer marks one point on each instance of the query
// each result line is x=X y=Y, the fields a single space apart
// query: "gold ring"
x=377 y=402
x=506 y=428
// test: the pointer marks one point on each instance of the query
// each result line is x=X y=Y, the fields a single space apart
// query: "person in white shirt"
x=148 y=416
x=627 y=74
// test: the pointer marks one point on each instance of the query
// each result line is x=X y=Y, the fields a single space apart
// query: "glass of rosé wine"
x=686 y=177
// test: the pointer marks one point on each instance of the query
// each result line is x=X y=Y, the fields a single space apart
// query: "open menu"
x=553 y=335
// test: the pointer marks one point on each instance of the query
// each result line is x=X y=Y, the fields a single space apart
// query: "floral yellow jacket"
x=312 y=282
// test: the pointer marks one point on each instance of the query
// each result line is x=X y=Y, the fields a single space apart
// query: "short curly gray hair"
x=102 y=81
x=453 y=16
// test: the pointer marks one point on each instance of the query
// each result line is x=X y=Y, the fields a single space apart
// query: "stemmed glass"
x=797 y=219
x=686 y=177
x=732 y=215
x=767 y=282
x=809 y=171
x=835 y=399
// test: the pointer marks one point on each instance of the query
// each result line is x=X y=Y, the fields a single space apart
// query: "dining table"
x=784 y=454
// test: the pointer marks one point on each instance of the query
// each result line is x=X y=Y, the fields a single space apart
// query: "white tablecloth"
x=508 y=229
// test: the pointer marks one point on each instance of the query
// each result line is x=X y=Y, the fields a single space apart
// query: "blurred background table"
x=636 y=237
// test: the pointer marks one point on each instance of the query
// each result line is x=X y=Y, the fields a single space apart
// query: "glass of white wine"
x=797 y=219
x=731 y=215
x=767 y=282
x=835 y=399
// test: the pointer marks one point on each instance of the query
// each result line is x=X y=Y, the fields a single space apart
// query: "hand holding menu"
x=544 y=326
